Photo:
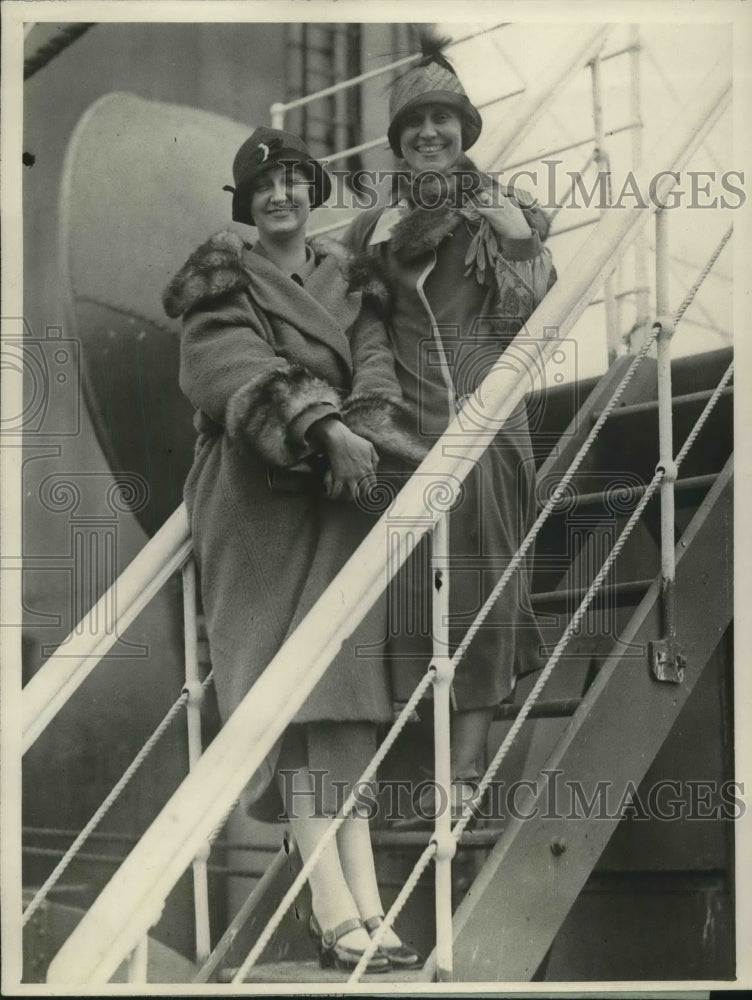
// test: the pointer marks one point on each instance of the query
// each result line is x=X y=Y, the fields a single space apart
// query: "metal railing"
x=131 y=903
x=279 y=109
x=526 y=113
x=443 y=843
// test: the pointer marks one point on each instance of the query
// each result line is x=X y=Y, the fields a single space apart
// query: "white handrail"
x=526 y=112
x=279 y=108
x=73 y=661
x=132 y=902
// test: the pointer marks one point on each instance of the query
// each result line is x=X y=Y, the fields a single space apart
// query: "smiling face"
x=280 y=203
x=431 y=138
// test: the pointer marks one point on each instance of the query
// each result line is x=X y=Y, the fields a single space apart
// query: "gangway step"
x=311 y=972
x=565 y=600
x=476 y=836
x=651 y=405
x=560 y=708
x=691 y=484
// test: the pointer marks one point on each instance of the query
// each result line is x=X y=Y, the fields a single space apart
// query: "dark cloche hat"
x=431 y=81
x=269 y=147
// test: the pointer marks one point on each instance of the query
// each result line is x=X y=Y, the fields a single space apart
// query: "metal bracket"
x=667 y=661
x=38 y=950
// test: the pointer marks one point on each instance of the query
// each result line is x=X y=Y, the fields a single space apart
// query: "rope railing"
x=556 y=496
x=118 y=789
x=708 y=409
x=582 y=452
x=514 y=563
x=431 y=850
x=697 y=284
x=461 y=650
x=468 y=811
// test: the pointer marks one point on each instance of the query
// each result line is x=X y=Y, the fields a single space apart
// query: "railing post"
x=442 y=683
x=602 y=163
x=277 y=115
x=640 y=244
x=193 y=714
x=666 y=659
x=138 y=961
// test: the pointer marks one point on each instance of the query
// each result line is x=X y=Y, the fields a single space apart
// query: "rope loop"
x=664 y=327
x=443 y=670
x=445 y=845
x=194 y=691
x=668 y=469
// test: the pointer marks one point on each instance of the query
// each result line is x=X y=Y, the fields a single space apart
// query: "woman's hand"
x=352 y=459
x=505 y=218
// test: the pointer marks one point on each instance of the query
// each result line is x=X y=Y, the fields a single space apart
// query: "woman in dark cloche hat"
x=465 y=265
x=296 y=404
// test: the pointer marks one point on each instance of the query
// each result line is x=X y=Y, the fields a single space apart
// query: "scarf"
x=424 y=228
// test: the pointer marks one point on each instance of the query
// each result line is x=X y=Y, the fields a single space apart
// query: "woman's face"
x=431 y=138
x=280 y=203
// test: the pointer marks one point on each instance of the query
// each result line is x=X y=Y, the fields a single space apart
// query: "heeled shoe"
x=333 y=955
x=401 y=955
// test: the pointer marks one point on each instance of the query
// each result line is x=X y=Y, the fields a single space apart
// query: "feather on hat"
x=432 y=80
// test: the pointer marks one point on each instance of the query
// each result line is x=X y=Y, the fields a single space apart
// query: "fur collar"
x=423 y=229
x=212 y=270
x=220 y=265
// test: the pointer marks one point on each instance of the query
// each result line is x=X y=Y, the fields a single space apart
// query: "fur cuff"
x=364 y=272
x=367 y=274
x=261 y=412
x=387 y=424
x=213 y=270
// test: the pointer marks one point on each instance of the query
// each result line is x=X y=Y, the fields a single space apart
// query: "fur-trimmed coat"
x=459 y=295
x=263 y=358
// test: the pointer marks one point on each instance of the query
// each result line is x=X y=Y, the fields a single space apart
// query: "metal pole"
x=666 y=659
x=193 y=713
x=442 y=683
x=602 y=162
x=277 y=115
x=640 y=244
x=138 y=962
x=662 y=300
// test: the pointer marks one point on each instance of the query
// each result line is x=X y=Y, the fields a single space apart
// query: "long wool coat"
x=458 y=296
x=262 y=358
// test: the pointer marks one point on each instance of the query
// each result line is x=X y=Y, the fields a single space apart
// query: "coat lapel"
x=323 y=309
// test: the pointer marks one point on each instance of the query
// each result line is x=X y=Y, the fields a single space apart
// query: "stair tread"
x=552 y=708
x=684 y=399
x=311 y=972
x=688 y=484
x=625 y=588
